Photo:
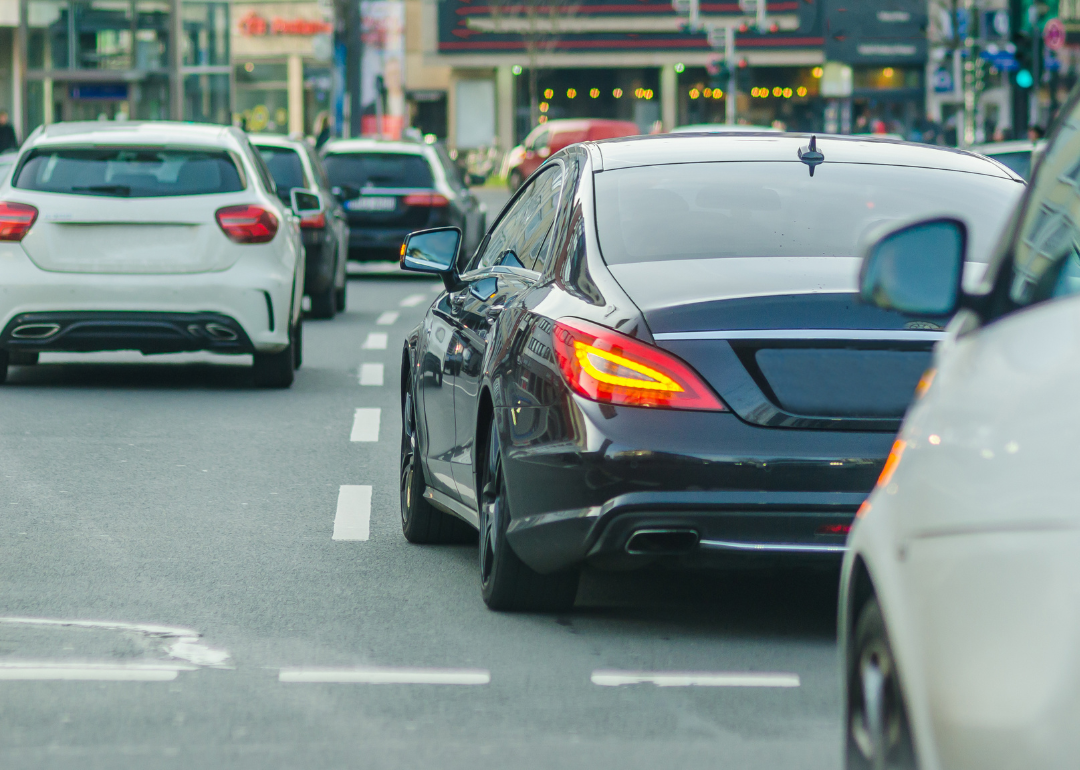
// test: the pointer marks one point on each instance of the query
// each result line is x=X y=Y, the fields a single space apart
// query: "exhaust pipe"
x=219 y=332
x=35 y=331
x=662 y=542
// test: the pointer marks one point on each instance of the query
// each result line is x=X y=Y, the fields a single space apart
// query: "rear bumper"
x=582 y=484
x=145 y=332
x=255 y=295
x=692 y=529
x=369 y=239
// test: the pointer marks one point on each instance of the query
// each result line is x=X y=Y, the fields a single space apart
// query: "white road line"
x=695 y=678
x=371 y=374
x=365 y=426
x=412 y=300
x=389 y=318
x=375 y=341
x=385 y=675
x=353 y=518
x=38 y=670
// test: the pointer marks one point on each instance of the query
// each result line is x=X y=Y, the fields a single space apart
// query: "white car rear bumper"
x=257 y=293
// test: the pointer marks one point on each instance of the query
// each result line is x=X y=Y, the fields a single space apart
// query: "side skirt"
x=446 y=503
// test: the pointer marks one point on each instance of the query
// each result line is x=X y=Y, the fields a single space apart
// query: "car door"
x=510 y=265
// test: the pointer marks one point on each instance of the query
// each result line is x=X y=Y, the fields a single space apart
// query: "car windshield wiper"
x=108 y=189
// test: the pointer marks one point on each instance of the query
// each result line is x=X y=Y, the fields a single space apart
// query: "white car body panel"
x=973 y=548
x=161 y=254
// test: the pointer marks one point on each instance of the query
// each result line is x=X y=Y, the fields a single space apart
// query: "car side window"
x=319 y=169
x=519 y=237
x=1045 y=261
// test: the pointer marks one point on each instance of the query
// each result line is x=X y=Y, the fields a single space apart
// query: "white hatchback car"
x=960 y=595
x=157 y=237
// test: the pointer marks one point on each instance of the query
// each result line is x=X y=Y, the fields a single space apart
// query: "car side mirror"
x=345 y=192
x=433 y=251
x=917 y=268
x=304 y=202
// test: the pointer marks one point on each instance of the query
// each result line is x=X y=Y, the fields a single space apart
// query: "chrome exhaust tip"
x=35 y=331
x=662 y=542
x=219 y=332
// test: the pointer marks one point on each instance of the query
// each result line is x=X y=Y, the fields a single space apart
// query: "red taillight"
x=606 y=366
x=16 y=220
x=430 y=200
x=248 y=224
x=315 y=221
x=834 y=529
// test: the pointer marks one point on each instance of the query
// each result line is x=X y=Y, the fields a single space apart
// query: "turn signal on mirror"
x=16 y=219
x=612 y=368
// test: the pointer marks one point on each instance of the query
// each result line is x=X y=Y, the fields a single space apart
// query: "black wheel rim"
x=875 y=725
x=408 y=456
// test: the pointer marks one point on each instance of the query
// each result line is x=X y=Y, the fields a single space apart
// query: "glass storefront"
x=110 y=59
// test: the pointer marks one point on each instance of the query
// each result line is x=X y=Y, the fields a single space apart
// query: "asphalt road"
x=178 y=525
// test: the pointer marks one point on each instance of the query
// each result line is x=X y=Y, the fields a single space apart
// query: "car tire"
x=324 y=303
x=421 y=522
x=506 y=582
x=3 y=365
x=878 y=732
x=514 y=180
x=275 y=370
x=22 y=359
x=298 y=343
x=340 y=297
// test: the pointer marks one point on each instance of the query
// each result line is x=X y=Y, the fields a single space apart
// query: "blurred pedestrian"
x=322 y=129
x=8 y=139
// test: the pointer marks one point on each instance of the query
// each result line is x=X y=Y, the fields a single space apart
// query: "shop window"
x=47 y=34
x=206 y=34
x=206 y=98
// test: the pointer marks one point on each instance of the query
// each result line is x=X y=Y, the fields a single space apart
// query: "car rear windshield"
x=129 y=172
x=286 y=168
x=379 y=169
x=760 y=209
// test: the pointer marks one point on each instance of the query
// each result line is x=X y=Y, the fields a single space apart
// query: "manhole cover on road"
x=45 y=648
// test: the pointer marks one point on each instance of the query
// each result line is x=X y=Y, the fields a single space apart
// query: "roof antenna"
x=811 y=155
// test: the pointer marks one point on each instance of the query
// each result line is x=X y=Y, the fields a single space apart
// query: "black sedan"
x=657 y=354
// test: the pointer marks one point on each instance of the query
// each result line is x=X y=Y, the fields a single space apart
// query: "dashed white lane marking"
x=412 y=300
x=389 y=318
x=375 y=341
x=353 y=518
x=695 y=678
x=365 y=426
x=371 y=374
x=386 y=675
x=39 y=670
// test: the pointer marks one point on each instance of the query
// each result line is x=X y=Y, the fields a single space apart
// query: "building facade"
x=510 y=66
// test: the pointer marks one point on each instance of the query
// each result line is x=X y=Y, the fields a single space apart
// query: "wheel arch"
x=485 y=415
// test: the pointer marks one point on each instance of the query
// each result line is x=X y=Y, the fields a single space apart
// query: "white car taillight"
x=248 y=224
x=16 y=219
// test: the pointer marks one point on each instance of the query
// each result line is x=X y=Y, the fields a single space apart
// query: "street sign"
x=943 y=80
x=1054 y=34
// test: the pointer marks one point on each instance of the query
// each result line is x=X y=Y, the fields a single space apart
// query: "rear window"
x=1019 y=162
x=379 y=169
x=286 y=168
x=740 y=209
x=129 y=172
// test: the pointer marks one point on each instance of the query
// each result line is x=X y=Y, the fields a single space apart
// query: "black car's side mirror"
x=433 y=251
x=345 y=192
x=917 y=268
x=304 y=202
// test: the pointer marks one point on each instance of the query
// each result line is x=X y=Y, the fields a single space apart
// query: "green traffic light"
x=1024 y=79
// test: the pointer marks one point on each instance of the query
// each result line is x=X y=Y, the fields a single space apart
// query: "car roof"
x=135 y=132
x=277 y=140
x=374 y=145
x=664 y=149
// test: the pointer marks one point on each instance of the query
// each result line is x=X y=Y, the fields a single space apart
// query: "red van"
x=552 y=136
